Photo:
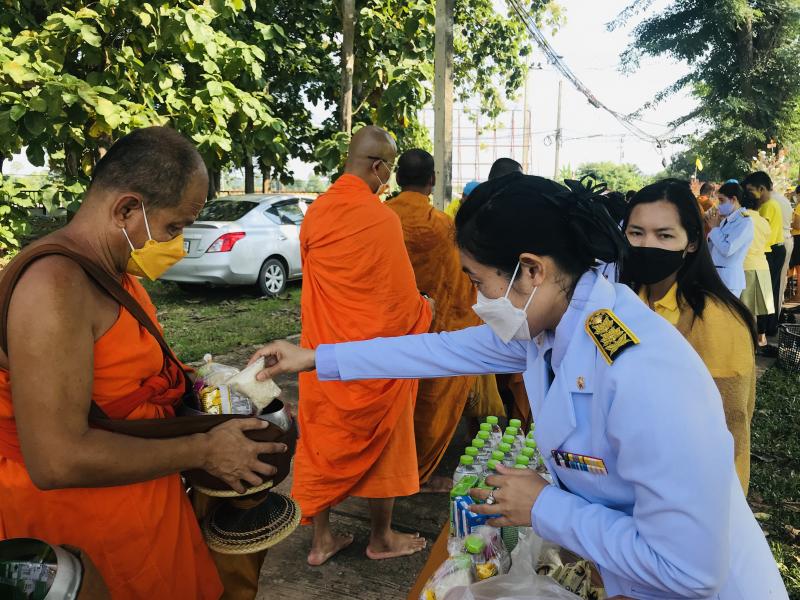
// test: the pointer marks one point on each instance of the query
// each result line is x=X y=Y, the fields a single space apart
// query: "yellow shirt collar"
x=667 y=306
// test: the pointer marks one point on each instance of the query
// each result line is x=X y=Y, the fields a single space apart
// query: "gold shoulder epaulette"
x=609 y=333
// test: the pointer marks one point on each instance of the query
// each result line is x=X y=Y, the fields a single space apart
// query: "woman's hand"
x=712 y=217
x=283 y=357
x=516 y=490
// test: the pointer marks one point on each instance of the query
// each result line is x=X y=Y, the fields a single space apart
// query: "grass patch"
x=218 y=320
x=775 y=478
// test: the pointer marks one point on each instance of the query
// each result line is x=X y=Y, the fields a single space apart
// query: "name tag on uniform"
x=579 y=462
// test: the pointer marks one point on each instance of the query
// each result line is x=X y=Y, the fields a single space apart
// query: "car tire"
x=272 y=278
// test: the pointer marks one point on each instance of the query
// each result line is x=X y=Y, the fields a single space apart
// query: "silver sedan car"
x=244 y=240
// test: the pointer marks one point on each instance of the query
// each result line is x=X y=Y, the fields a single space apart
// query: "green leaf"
x=90 y=36
x=38 y=104
x=17 y=112
x=214 y=88
x=35 y=123
x=145 y=19
x=19 y=73
x=35 y=154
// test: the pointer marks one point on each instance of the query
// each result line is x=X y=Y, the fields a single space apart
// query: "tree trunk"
x=348 y=61
x=214 y=180
x=2 y=160
x=249 y=175
x=745 y=60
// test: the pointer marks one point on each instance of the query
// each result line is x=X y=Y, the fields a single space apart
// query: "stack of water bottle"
x=490 y=448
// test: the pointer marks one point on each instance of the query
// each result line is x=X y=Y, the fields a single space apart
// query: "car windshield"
x=287 y=212
x=226 y=210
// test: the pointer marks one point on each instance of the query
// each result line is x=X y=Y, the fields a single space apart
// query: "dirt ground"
x=351 y=574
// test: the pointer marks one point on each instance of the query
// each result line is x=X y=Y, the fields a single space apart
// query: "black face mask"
x=651 y=265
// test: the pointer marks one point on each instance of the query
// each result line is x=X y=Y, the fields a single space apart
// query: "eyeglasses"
x=389 y=165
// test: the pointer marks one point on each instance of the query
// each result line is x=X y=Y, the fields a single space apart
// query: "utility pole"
x=348 y=60
x=443 y=104
x=621 y=148
x=527 y=125
x=558 y=130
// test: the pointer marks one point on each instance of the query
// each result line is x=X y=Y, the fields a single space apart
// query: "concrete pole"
x=558 y=131
x=348 y=60
x=443 y=104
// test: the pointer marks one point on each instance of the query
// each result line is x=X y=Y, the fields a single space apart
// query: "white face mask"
x=506 y=320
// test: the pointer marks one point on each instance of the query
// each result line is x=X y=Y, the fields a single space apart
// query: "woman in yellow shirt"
x=670 y=267
x=794 y=262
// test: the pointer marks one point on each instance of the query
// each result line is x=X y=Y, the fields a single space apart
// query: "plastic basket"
x=789 y=347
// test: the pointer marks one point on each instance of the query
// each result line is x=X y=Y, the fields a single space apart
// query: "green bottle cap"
x=486 y=427
x=483 y=435
x=471 y=451
x=478 y=443
x=512 y=431
x=515 y=423
x=504 y=448
x=491 y=420
x=497 y=455
x=474 y=544
x=530 y=443
x=522 y=460
x=467 y=460
x=492 y=464
x=529 y=452
x=508 y=439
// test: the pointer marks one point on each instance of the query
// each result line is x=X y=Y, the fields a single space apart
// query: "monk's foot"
x=319 y=555
x=437 y=485
x=394 y=544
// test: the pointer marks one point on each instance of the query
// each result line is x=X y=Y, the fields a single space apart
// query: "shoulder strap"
x=102 y=278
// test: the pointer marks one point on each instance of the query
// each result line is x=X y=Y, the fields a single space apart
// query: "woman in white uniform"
x=627 y=416
x=730 y=237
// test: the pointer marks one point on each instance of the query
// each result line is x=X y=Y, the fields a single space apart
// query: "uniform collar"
x=571 y=343
x=667 y=306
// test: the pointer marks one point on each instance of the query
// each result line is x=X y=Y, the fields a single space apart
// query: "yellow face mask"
x=154 y=258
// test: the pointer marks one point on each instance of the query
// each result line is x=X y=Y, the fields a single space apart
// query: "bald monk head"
x=504 y=166
x=151 y=178
x=371 y=156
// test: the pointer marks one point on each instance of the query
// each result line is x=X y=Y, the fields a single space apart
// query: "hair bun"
x=588 y=216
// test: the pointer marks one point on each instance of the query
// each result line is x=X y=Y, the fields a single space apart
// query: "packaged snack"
x=455 y=572
x=260 y=393
x=488 y=554
x=213 y=373
x=221 y=400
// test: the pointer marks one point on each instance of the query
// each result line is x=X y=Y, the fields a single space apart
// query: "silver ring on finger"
x=490 y=498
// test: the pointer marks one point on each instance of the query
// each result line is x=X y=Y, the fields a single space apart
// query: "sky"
x=593 y=54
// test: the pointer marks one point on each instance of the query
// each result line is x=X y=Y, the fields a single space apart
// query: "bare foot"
x=337 y=543
x=437 y=485
x=394 y=545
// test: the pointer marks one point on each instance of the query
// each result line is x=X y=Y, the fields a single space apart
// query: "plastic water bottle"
x=522 y=461
x=519 y=440
x=466 y=466
x=503 y=455
x=530 y=453
x=473 y=452
x=486 y=427
x=515 y=423
x=512 y=442
x=497 y=433
x=484 y=453
x=487 y=439
x=491 y=469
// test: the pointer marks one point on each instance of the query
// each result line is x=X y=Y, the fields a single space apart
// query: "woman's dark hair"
x=697 y=278
x=732 y=190
x=506 y=217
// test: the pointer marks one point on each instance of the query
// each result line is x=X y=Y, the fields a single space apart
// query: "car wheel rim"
x=273 y=278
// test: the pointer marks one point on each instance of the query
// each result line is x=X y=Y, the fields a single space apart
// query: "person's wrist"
x=201 y=449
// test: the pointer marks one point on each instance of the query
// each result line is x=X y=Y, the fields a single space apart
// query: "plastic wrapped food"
x=222 y=400
x=454 y=573
x=261 y=393
x=489 y=555
x=213 y=373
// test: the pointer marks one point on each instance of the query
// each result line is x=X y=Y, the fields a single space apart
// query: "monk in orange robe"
x=66 y=343
x=429 y=236
x=357 y=438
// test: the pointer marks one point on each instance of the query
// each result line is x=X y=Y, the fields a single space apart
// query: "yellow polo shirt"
x=796 y=212
x=667 y=306
x=771 y=211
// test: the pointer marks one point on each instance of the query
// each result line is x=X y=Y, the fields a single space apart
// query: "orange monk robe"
x=429 y=238
x=143 y=537
x=356 y=438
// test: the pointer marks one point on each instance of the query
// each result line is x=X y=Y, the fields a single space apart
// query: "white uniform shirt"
x=669 y=520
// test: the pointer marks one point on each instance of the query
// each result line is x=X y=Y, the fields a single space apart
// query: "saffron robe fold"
x=356 y=438
x=144 y=537
x=429 y=236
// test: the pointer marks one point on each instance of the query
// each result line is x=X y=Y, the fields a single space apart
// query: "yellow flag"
x=698 y=163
